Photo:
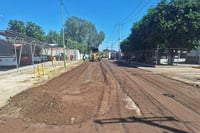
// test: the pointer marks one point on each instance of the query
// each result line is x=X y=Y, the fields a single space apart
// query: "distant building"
x=112 y=55
x=6 y=49
x=71 y=54
x=7 y=55
x=193 y=56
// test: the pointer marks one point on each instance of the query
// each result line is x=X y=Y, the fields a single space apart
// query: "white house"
x=7 y=55
x=193 y=56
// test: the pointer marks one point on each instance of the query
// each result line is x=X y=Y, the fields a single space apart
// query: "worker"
x=84 y=57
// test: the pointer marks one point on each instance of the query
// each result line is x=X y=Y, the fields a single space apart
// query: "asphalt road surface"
x=104 y=97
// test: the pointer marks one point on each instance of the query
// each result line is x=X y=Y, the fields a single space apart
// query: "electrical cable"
x=133 y=12
x=136 y=15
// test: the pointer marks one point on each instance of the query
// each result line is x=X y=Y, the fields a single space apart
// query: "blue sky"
x=107 y=15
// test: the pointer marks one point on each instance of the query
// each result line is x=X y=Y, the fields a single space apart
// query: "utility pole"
x=119 y=55
x=119 y=36
x=157 y=50
x=63 y=33
x=111 y=46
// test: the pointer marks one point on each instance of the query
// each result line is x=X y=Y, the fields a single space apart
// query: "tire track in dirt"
x=100 y=103
x=63 y=79
x=161 y=107
x=51 y=105
x=95 y=103
x=154 y=82
x=122 y=82
x=159 y=84
x=157 y=103
x=109 y=107
x=103 y=104
x=154 y=102
x=122 y=78
x=83 y=79
x=116 y=86
x=190 y=101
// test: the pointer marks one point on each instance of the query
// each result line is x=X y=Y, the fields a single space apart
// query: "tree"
x=76 y=45
x=100 y=38
x=53 y=37
x=30 y=29
x=170 y=25
x=17 y=26
x=83 y=32
x=126 y=47
x=95 y=39
x=35 y=31
x=106 y=50
x=181 y=24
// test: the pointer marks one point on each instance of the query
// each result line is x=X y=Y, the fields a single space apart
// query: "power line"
x=113 y=30
x=65 y=9
x=133 y=12
x=142 y=6
x=124 y=21
x=119 y=32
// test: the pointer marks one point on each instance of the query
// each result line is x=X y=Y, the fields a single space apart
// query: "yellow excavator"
x=94 y=56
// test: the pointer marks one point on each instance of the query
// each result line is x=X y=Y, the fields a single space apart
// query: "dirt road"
x=104 y=97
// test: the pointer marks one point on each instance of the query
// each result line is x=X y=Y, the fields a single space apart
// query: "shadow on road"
x=6 y=68
x=123 y=64
x=152 y=121
x=131 y=64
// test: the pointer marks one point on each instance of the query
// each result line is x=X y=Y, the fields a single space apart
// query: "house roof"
x=53 y=45
x=21 y=38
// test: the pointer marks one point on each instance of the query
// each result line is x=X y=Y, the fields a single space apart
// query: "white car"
x=41 y=58
x=8 y=61
x=37 y=59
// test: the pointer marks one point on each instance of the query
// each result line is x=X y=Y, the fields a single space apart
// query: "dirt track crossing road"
x=104 y=97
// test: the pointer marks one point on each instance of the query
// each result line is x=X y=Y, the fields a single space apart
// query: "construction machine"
x=94 y=56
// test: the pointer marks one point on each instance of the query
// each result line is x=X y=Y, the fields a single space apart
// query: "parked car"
x=44 y=58
x=40 y=58
x=8 y=61
x=26 y=59
x=37 y=59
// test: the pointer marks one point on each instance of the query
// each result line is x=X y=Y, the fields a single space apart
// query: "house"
x=7 y=55
x=6 y=48
x=71 y=54
x=10 y=53
x=193 y=56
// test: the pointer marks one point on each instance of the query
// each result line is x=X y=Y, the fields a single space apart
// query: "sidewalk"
x=187 y=73
x=29 y=68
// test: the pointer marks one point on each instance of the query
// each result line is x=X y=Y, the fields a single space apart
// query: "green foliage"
x=76 y=45
x=174 y=24
x=35 y=31
x=53 y=37
x=83 y=31
x=182 y=23
x=106 y=50
x=30 y=29
x=17 y=26
x=126 y=47
x=79 y=33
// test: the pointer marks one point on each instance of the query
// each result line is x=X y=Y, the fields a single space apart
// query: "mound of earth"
x=39 y=105
x=70 y=98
